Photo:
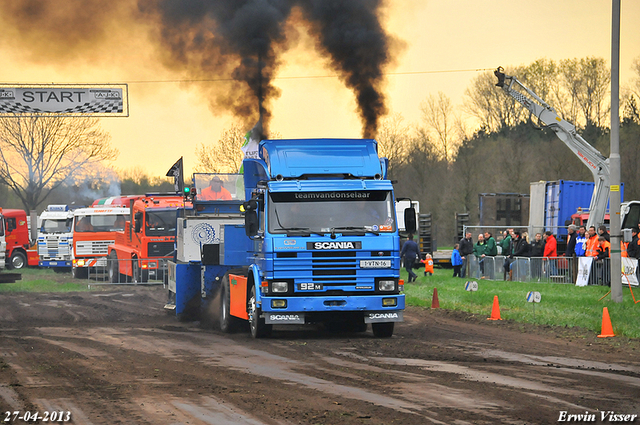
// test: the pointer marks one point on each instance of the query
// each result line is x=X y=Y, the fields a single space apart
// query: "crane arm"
x=588 y=155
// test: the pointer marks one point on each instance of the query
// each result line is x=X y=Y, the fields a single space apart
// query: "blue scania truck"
x=307 y=234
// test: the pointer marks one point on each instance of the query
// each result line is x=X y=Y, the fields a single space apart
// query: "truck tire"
x=228 y=323
x=79 y=273
x=135 y=271
x=114 y=268
x=17 y=261
x=258 y=328
x=382 y=330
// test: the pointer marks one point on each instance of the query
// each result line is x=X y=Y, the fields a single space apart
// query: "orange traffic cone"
x=495 y=311
x=607 y=330
x=435 y=303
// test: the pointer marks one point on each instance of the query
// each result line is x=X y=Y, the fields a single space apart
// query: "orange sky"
x=168 y=120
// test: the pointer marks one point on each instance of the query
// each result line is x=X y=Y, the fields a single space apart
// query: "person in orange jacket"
x=592 y=243
x=602 y=256
x=428 y=264
x=215 y=191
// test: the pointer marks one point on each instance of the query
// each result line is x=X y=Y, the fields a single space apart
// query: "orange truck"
x=94 y=229
x=20 y=251
x=141 y=250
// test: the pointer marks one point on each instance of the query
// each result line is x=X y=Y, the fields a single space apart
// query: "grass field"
x=45 y=280
x=562 y=305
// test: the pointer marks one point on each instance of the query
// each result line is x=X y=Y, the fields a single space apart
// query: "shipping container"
x=553 y=203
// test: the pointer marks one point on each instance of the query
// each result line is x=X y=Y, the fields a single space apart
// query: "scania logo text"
x=335 y=245
x=383 y=315
x=285 y=317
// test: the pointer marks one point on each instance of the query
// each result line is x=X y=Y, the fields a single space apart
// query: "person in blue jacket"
x=410 y=253
x=456 y=261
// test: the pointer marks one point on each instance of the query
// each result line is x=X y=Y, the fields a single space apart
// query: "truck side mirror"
x=138 y=219
x=251 y=224
x=410 y=219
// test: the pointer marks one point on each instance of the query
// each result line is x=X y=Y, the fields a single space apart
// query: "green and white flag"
x=251 y=141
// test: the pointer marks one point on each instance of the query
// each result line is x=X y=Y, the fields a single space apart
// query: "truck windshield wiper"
x=360 y=228
x=296 y=231
x=300 y=231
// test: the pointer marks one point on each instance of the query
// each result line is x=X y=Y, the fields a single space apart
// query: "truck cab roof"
x=298 y=158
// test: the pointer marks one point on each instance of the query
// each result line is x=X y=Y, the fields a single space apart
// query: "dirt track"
x=116 y=357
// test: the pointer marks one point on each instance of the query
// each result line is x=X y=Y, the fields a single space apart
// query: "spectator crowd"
x=542 y=250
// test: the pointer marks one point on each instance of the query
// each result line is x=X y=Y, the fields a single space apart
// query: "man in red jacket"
x=550 y=252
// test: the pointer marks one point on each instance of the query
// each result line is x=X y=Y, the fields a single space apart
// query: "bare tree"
x=631 y=96
x=393 y=139
x=488 y=104
x=587 y=83
x=39 y=153
x=441 y=125
x=635 y=85
x=224 y=155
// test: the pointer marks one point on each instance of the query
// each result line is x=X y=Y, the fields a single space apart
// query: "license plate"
x=310 y=286
x=375 y=264
x=53 y=263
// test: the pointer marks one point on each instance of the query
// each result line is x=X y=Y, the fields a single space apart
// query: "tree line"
x=488 y=144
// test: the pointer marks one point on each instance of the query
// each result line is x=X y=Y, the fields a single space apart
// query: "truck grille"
x=160 y=249
x=53 y=246
x=93 y=247
x=331 y=268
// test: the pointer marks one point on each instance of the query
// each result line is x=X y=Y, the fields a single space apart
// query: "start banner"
x=68 y=100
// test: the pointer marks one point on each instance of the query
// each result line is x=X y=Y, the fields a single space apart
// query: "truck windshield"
x=99 y=223
x=59 y=225
x=323 y=212
x=161 y=223
x=1 y=226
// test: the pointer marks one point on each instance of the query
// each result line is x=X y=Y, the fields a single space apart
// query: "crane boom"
x=590 y=156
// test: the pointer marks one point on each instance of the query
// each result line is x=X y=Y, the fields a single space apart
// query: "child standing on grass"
x=456 y=261
x=428 y=264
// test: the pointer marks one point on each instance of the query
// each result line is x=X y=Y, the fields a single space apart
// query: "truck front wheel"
x=135 y=271
x=114 y=269
x=18 y=260
x=79 y=273
x=382 y=330
x=258 y=328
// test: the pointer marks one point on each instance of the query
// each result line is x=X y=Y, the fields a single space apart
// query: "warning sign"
x=102 y=100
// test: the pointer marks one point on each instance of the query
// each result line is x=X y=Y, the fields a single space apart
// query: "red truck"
x=140 y=251
x=20 y=252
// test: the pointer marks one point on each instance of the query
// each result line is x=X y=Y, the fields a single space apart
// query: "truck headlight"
x=386 y=285
x=279 y=286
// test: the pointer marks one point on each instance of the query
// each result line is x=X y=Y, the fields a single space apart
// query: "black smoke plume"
x=350 y=33
x=229 y=48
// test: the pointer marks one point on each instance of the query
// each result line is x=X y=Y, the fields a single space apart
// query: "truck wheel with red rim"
x=18 y=260
x=228 y=323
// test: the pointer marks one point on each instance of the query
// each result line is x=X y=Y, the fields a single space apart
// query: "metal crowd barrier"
x=109 y=271
x=536 y=269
